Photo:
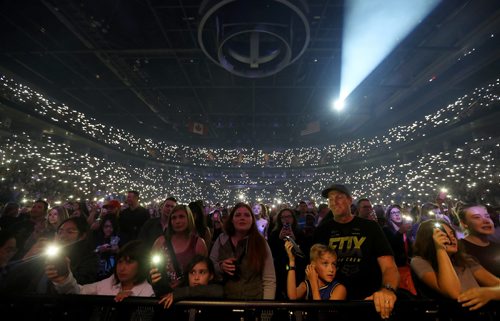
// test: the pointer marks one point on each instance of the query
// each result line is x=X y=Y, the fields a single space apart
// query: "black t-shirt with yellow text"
x=358 y=245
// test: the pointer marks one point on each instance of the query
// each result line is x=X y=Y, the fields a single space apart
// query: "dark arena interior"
x=246 y=101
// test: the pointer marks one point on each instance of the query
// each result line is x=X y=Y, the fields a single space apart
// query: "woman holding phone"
x=397 y=230
x=447 y=271
x=178 y=246
x=286 y=226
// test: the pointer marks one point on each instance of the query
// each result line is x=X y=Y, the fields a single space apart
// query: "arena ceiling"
x=157 y=67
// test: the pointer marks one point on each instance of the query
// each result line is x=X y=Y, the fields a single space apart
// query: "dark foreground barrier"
x=89 y=307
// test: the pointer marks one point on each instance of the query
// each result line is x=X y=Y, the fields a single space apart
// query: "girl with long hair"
x=442 y=266
x=243 y=259
x=178 y=246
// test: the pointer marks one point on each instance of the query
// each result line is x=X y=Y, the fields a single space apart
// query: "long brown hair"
x=279 y=225
x=62 y=214
x=424 y=246
x=256 y=250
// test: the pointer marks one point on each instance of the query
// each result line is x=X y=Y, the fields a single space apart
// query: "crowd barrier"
x=89 y=307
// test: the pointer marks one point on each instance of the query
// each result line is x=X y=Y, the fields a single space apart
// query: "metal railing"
x=104 y=308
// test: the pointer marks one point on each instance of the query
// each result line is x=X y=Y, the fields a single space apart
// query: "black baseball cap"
x=336 y=187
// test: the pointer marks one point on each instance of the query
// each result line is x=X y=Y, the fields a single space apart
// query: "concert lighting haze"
x=372 y=29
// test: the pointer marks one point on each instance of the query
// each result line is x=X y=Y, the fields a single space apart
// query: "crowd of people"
x=475 y=102
x=72 y=221
x=339 y=250
x=31 y=168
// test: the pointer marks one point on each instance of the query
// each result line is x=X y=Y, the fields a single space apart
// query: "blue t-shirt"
x=325 y=291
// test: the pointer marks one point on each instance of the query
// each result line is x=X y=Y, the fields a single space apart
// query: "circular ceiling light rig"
x=253 y=39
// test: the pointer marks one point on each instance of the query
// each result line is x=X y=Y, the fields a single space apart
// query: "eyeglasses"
x=67 y=231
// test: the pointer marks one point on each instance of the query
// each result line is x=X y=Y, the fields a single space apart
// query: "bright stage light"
x=372 y=29
x=338 y=104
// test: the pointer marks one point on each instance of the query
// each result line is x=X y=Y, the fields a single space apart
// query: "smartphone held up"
x=55 y=256
x=296 y=250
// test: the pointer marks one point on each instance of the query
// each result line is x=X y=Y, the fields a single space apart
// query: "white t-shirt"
x=103 y=287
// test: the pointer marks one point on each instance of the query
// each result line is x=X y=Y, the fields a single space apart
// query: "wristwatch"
x=389 y=287
x=289 y=268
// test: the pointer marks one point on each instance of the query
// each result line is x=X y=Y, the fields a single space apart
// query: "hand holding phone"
x=441 y=227
x=55 y=256
x=296 y=248
x=157 y=277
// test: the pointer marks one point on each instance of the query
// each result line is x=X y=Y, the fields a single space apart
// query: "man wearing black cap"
x=365 y=263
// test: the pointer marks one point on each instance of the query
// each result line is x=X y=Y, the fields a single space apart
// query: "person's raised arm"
x=446 y=280
x=312 y=276
x=92 y=214
x=291 y=282
x=62 y=283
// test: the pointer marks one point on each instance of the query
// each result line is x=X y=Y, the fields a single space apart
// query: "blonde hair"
x=318 y=250
x=190 y=220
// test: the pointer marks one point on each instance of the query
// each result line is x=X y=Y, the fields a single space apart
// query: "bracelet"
x=389 y=287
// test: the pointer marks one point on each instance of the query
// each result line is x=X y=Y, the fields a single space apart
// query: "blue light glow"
x=372 y=29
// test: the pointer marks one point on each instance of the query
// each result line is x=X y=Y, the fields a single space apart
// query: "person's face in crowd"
x=282 y=206
x=132 y=199
x=432 y=213
x=179 y=221
x=478 y=221
x=395 y=215
x=256 y=209
x=107 y=210
x=223 y=218
x=127 y=270
x=286 y=218
x=215 y=216
x=107 y=228
x=452 y=246
x=309 y=220
x=302 y=208
x=242 y=219
x=365 y=209
x=199 y=274
x=53 y=216
x=339 y=203
x=326 y=267
x=7 y=251
x=68 y=233
x=167 y=208
x=37 y=210
x=76 y=206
